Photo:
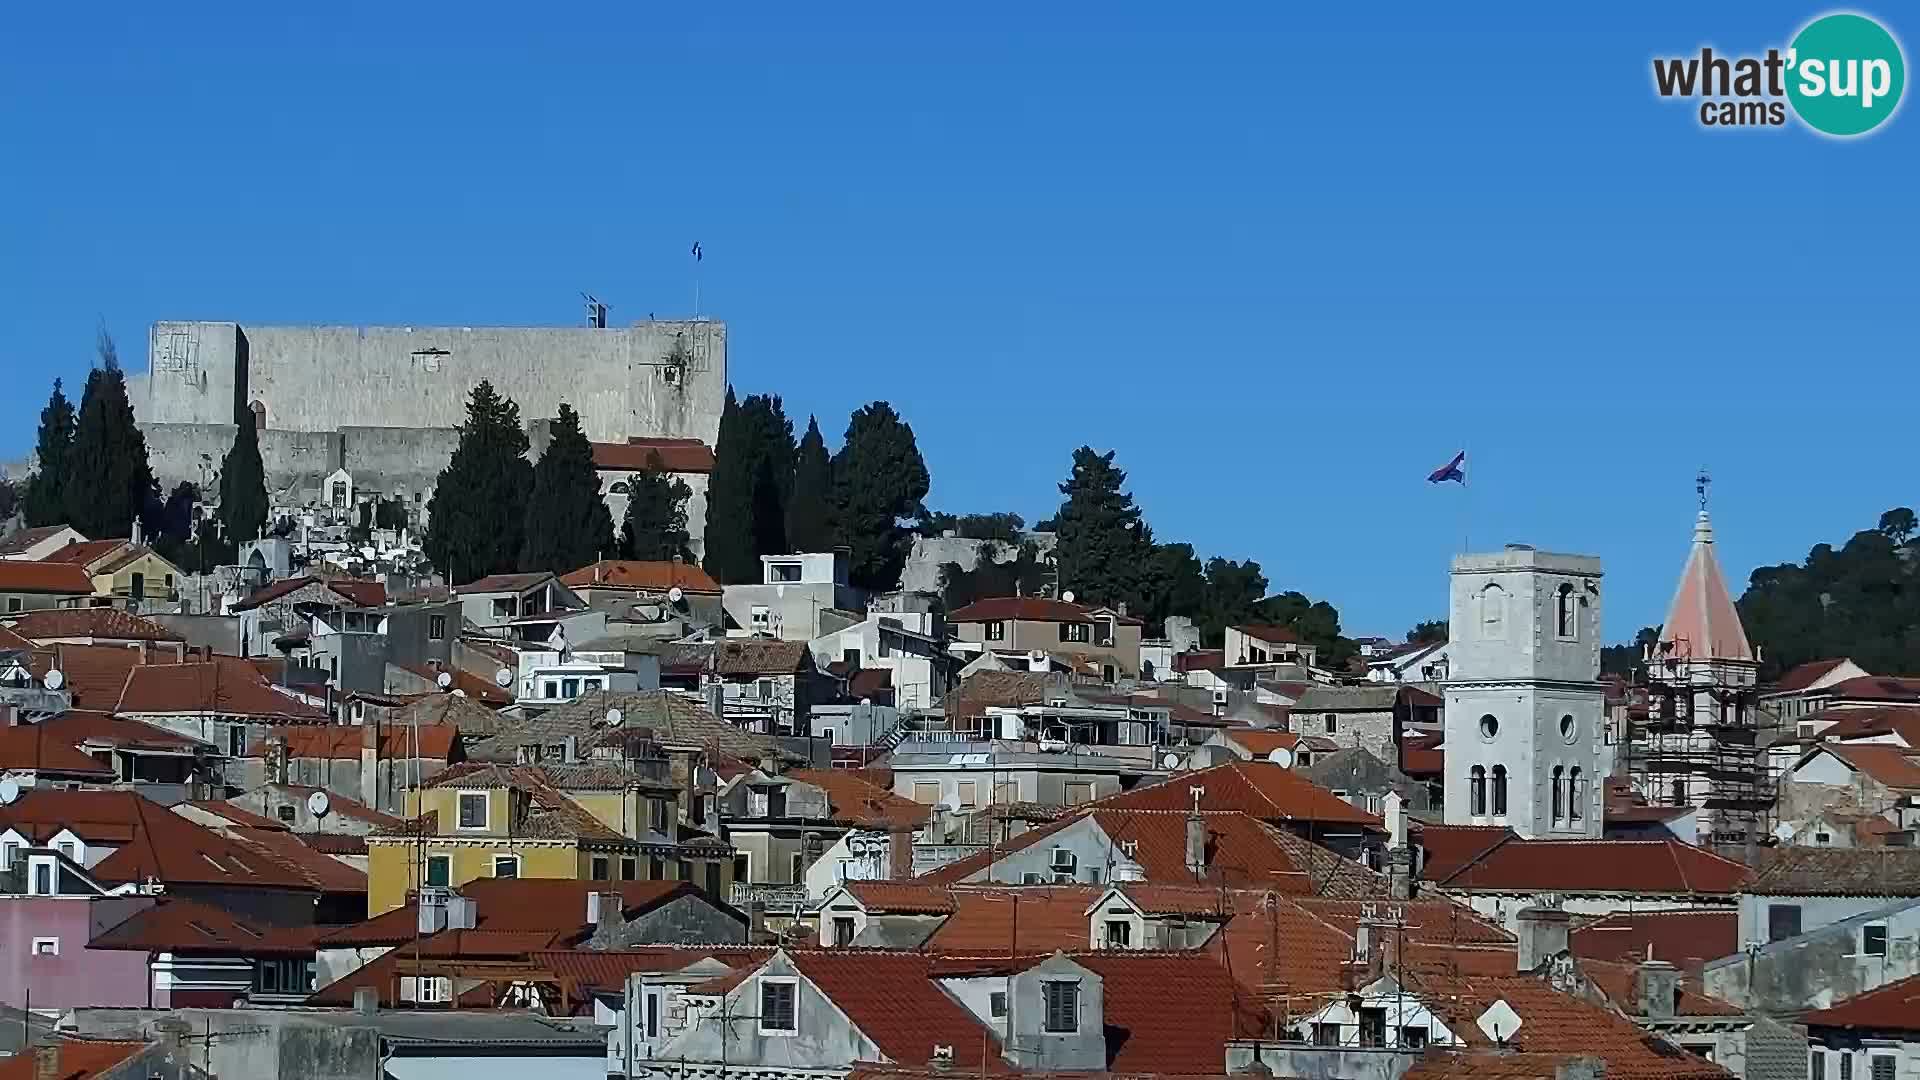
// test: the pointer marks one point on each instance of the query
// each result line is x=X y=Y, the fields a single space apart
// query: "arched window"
x=1564 y=623
x=1559 y=793
x=259 y=409
x=1477 y=792
x=1493 y=613
x=1499 y=791
x=619 y=488
x=1576 y=793
x=1679 y=791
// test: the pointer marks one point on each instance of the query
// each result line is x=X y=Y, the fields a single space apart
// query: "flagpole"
x=1466 y=509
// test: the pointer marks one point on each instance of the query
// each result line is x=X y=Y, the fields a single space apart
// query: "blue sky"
x=1284 y=261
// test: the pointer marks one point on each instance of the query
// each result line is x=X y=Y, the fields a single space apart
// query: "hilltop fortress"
x=382 y=402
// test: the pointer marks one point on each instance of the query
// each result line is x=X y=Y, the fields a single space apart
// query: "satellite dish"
x=1067 y=596
x=503 y=678
x=318 y=804
x=444 y=680
x=675 y=595
x=55 y=679
x=1171 y=761
x=1499 y=1022
x=1783 y=832
x=1281 y=756
x=614 y=717
x=459 y=693
x=9 y=791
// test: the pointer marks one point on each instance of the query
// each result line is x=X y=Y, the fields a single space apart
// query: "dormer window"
x=1062 y=999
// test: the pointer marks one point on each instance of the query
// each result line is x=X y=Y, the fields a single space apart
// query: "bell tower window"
x=1493 y=613
x=1499 y=791
x=1565 y=625
x=1559 y=793
x=1477 y=791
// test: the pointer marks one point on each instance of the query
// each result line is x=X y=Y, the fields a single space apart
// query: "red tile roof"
x=353 y=592
x=1684 y=938
x=1638 y=866
x=593 y=969
x=84 y=553
x=1616 y=980
x=47 y=624
x=634 y=574
x=1262 y=741
x=79 y=1059
x=89 y=727
x=1283 y=635
x=154 y=841
x=893 y=1000
x=226 y=685
x=1892 y=766
x=36 y=748
x=1169 y=1012
x=230 y=814
x=636 y=454
x=984 y=921
x=513 y=583
x=20 y=541
x=95 y=674
x=341 y=805
x=554 y=907
x=1872 y=688
x=1870 y=721
x=1261 y=788
x=1030 y=609
x=1893 y=1007
x=181 y=925
x=1803 y=676
x=903 y=897
x=1421 y=755
x=317 y=869
x=1447 y=848
x=466 y=682
x=1199 y=660
x=64 y=579
x=382 y=975
x=862 y=804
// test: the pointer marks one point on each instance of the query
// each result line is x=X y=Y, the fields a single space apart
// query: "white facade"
x=1525 y=710
x=902 y=643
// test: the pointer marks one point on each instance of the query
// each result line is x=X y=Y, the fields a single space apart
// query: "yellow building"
x=125 y=574
x=584 y=822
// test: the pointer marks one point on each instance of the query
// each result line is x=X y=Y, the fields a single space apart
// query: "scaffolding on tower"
x=1697 y=736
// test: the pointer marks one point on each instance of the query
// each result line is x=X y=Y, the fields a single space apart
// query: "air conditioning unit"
x=1064 y=860
x=1219 y=697
x=1031 y=879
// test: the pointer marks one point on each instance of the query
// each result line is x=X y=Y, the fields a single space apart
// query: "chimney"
x=46 y=1061
x=366 y=1000
x=1543 y=935
x=572 y=749
x=433 y=910
x=276 y=750
x=1196 y=839
x=370 y=764
x=607 y=911
x=9 y=714
x=1656 y=989
x=1396 y=820
x=900 y=854
x=1581 y=1068
x=769 y=762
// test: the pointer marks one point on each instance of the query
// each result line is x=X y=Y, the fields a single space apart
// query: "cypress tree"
x=879 y=480
x=109 y=483
x=1105 y=550
x=770 y=434
x=568 y=525
x=479 y=507
x=655 y=527
x=810 y=510
x=729 y=537
x=243 y=485
x=45 y=502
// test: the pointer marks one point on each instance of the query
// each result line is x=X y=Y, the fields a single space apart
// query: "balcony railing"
x=774 y=899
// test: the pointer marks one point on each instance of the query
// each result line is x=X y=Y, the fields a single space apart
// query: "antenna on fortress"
x=596 y=311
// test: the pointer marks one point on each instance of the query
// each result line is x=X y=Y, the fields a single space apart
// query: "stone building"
x=382 y=402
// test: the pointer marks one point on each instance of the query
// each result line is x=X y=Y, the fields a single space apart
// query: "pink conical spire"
x=1702 y=622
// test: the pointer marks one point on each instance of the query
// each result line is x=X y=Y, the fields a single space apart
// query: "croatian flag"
x=1452 y=470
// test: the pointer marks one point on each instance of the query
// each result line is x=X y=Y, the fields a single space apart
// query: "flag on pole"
x=697 y=254
x=1453 y=470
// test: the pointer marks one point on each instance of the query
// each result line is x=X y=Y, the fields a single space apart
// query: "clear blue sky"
x=1285 y=260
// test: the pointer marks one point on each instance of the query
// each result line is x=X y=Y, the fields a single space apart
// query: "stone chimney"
x=1542 y=933
x=1656 y=989
x=366 y=1000
x=607 y=911
x=46 y=1061
x=1196 y=841
x=370 y=764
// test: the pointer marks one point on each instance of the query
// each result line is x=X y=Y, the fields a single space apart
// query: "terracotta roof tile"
x=230 y=814
x=1260 y=788
x=1896 y=767
x=225 y=685
x=1858 y=722
x=95 y=674
x=761 y=656
x=1421 y=755
x=1685 y=938
x=84 y=553
x=1893 y=1007
x=1032 y=609
x=40 y=748
x=1447 y=848
x=1804 y=675
x=47 y=624
x=513 y=583
x=1818 y=871
x=181 y=925
x=859 y=803
x=593 y=969
x=321 y=871
x=343 y=742
x=485 y=691
x=338 y=804
x=353 y=592
x=903 y=897
x=1616 y=980
x=648 y=576
x=89 y=727
x=1262 y=741
x=62 y=579
x=1169 y=1012
x=891 y=998
x=1639 y=866
x=637 y=454
x=20 y=541
x=1872 y=688
x=153 y=841
x=79 y=1059
x=1282 y=635
x=984 y=922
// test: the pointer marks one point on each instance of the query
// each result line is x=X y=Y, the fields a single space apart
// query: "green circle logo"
x=1845 y=74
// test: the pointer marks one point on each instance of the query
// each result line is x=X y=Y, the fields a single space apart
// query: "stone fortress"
x=382 y=403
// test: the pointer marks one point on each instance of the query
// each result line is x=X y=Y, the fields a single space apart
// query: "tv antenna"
x=596 y=311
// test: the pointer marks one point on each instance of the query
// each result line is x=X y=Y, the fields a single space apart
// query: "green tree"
x=9 y=498
x=1104 y=547
x=880 y=483
x=243 y=485
x=810 y=513
x=1623 y=659
x=1004 y=526
x=45 y=502
x=1023 y=572
x=391 y=513
x=1316 y=622
x=1233 y=596
x=567 y=523
x=770 y=434
x=752 y=482
x=108 y=480
x=655 y=526
x=1428 y=633
x=1176 y=584
x=1898 y=524
x=478 y=512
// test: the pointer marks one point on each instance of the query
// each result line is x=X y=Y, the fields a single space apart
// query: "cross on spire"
x=1700 y=483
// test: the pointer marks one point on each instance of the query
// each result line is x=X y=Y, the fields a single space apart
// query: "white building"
x=799 y=598
x=1524 y=704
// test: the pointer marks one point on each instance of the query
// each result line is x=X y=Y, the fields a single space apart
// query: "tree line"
x=92 y=472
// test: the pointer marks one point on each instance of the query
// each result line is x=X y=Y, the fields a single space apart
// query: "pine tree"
x=568 y=525
x=45 y=502
x=109 y=483
x=655 y=527
x=1104 y=547
x=479 y=506
x=243 y=485
x=879 y=480
x=810 y=510
x=729 y=537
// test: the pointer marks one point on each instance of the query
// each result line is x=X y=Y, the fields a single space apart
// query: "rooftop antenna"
x=596 y=311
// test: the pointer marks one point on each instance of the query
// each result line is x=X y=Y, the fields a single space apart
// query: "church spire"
x=1702 y=622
